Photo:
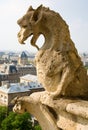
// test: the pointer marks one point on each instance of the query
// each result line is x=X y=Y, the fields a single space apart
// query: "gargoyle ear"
x=30 y=9
x=37 y=14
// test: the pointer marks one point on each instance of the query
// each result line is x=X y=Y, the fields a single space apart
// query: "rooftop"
x=29 y=77
x=19 y=87
x=23 y=55
x=14 y=88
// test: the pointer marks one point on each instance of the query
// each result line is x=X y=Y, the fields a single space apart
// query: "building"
x=12 y=78
x=32 y=81
x=10 y=91
x=28 y=84
x=12 y=72
x=9 y=72
x=23 y=59
x=27 y=69
x=84 y=58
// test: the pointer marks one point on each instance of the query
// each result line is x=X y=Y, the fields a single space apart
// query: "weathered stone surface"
x=59 y=69
x=79 y=108
x=32 y=104
x=55 y=114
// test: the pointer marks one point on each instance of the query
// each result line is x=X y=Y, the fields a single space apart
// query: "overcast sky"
x=74 y=12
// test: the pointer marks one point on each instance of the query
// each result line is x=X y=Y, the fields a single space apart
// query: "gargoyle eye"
x=24 y=26
x=29 y=24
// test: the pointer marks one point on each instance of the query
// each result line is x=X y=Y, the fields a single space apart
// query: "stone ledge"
x=79 y=108
x=60 y=114
x=72 y=114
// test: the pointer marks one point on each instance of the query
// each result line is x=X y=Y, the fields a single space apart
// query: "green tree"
x=37 y=127
x=23 y=121
x=3 y=113
x=7 y=122
x=16 y=121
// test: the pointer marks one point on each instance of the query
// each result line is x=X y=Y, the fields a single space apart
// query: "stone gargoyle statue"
x=59 y=67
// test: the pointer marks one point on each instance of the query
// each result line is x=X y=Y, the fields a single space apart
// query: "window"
x=5 y=97
x=1 y=96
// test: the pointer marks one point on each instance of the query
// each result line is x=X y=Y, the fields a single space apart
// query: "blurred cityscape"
x=17 y=75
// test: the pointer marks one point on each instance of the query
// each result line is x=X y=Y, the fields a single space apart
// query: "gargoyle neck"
x=50 y=38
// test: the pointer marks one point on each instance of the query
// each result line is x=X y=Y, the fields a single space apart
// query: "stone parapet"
x=59 y=114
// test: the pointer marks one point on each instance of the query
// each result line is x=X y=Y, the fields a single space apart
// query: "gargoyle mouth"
x=22 y=38
x=24 y=34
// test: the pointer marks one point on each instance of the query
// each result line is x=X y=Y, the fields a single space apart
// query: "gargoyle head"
x=19 y=106
x=28 y=24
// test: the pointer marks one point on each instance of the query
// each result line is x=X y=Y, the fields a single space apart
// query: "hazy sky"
x=74 y=12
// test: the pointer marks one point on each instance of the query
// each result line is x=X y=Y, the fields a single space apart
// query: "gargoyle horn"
x=30 y=9
x=37 y=14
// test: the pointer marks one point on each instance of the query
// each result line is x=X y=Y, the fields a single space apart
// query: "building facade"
x=23 y=59
x=12 y=72
x=8 y=91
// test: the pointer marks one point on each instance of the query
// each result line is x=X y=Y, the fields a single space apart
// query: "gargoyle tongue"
x=34 y=39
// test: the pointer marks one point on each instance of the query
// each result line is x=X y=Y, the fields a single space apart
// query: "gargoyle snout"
x=19 y=22
x=19 y=35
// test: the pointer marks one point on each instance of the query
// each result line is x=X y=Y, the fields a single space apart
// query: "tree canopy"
x=14 y=121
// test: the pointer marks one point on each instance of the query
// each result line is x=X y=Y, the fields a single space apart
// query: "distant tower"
x=23 y=58
x=11 y=69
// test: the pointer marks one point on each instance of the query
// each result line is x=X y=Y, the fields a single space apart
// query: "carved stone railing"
x=60 y=114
